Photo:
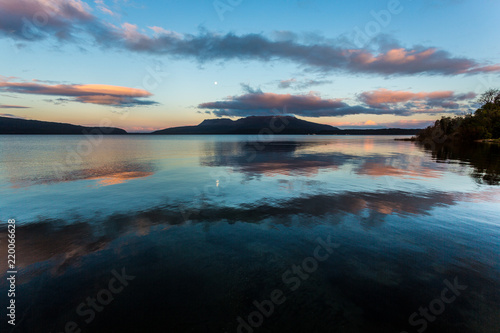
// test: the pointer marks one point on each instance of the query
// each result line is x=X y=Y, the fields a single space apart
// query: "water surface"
x=210 y=225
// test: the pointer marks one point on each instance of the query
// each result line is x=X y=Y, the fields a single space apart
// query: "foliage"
x=483 y=124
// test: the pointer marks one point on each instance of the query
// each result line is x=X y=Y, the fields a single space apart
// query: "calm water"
x=345 y=234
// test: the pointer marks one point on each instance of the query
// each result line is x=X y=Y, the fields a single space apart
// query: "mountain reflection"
x=66 y=243
x=272 y=158
x=308 y=158
x=303 y=158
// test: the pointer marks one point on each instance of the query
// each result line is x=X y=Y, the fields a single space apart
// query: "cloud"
x=210 y=47
x=84 y=93
x=308 y=105
x=106 y=10
x=414 y=61
x=8 y=115
x=295 y=84
x=436 y=100
x=256 y=102
x=286 y=83
x=247 y=88
x=161 y=31
x=3 y=106
x=284 y=36
x=385 y=96
x=36 y=19
x=68 y=19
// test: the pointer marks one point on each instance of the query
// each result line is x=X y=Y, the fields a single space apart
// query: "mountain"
x=23 y=126
x=252 y=125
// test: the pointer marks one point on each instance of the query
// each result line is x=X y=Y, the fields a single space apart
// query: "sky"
x=148 y=65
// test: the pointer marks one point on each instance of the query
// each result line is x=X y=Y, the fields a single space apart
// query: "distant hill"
x=22 y=126
x=292 y=125
x=375 y=131
x=251 y=125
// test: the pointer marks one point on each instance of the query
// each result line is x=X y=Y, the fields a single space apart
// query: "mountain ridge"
x=251 y=125
x=248 y=125
x=24 y=126
x=274 y=124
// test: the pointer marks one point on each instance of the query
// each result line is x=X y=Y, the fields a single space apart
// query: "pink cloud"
x=35 y=19
x=430 y=60
x=85 y=93
x=385 y=96
x=377 y=102
x=260 y=103
x=437 y=100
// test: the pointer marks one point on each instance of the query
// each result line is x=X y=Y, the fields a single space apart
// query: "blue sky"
x=147 y=65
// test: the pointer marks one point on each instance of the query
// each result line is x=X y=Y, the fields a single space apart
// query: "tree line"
x=484 y=123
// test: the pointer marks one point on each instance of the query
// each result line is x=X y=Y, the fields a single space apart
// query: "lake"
x=250 y=233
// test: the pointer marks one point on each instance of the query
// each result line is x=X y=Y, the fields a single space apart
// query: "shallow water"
x=210 y=226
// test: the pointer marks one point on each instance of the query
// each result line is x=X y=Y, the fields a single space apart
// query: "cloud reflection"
x=308 y=158
x=105 y=175
x=375 y=169
x=65 y=244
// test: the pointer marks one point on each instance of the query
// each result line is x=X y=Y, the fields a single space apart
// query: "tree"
x=483 y=124
x=491 y=96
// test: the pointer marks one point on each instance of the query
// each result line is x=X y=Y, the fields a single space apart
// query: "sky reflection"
x=209 y=224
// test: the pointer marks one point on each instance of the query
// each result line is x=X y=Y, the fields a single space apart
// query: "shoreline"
x=413 y=139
